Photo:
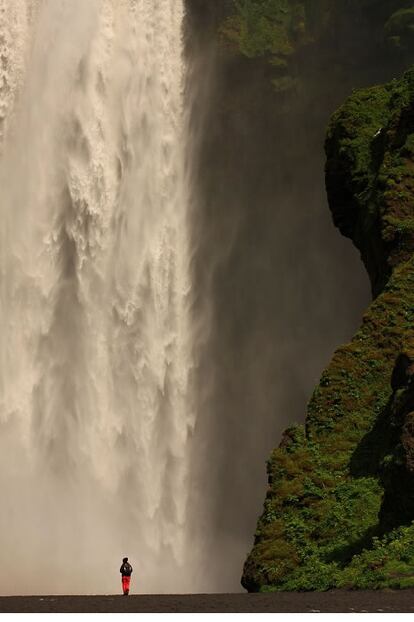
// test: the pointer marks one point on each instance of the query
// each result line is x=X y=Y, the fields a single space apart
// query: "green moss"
x=329 y=518
x=265 y=27
x=388 y=563
x=370 y=175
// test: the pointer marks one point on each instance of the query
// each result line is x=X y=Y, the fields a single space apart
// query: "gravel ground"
x=286 y=602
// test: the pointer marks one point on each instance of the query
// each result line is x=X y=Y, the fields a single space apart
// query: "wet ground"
x=287 y=602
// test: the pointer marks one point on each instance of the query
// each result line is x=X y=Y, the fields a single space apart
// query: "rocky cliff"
x=340 y=502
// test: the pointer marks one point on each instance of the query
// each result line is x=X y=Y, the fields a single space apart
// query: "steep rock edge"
x=340 y=502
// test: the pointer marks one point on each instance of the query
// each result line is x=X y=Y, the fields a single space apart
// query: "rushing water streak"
x=95 y=400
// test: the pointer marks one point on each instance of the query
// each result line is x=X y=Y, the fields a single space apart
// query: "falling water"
x=95 y=400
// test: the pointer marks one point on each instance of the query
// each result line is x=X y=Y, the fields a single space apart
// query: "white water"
x=95 y=400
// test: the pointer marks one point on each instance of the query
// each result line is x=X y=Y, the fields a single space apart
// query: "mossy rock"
x=335 y=515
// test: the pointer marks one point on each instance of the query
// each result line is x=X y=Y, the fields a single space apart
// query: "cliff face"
x=340 y=501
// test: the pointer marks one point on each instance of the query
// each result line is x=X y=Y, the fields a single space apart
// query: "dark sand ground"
x=326 y=602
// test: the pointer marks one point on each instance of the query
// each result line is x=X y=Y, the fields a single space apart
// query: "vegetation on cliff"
x=340 y=502
x=288 y=33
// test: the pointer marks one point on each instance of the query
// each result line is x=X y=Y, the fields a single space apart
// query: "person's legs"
x=125 y=585
x=128 y=581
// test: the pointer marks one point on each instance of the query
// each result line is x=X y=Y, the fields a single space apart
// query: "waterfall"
x=96 y=412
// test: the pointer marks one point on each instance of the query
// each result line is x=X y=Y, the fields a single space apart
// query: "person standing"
x=126 y=571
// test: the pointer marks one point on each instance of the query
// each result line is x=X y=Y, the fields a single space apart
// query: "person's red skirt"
x=125 y=584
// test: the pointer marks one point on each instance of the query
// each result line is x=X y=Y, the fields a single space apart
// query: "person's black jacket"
x=126 y=569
